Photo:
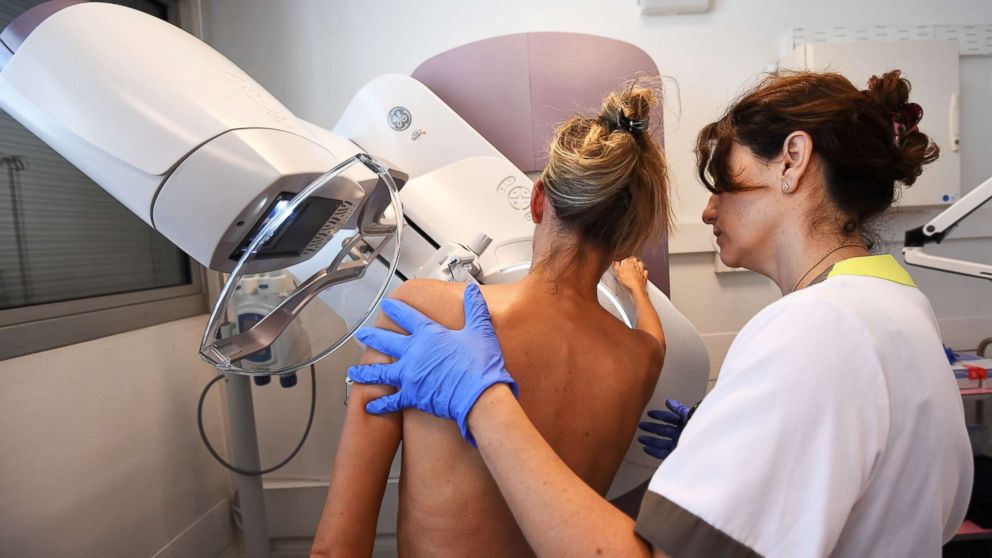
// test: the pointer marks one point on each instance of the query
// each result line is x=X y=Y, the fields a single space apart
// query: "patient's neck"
x=563 y=265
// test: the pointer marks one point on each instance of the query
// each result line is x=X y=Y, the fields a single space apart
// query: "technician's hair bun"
x=891 y=91
x=912 y=148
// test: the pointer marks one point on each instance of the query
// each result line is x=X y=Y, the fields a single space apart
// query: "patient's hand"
x=631 y=274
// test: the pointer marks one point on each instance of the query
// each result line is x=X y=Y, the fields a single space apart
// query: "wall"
x=314 y=55
x=101 y=455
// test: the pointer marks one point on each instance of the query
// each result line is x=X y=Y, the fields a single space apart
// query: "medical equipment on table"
x=971 y=371
x=198 y=150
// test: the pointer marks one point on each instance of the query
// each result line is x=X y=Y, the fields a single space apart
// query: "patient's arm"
x=361 y=467
x=632 y=275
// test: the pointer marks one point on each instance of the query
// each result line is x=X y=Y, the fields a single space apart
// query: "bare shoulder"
x=439 y=300
x=655 y=352
x=641 y=347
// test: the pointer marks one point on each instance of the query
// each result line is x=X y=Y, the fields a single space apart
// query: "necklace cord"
x=825 y=256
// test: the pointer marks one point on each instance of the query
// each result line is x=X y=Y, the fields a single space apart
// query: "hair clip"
x=905 y=121
x=635 y=127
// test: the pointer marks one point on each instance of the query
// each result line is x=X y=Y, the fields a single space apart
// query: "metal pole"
x=244 y=440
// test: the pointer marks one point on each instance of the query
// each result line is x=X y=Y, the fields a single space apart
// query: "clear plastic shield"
x=276 y=321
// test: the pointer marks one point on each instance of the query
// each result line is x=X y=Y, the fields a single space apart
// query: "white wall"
x=101 y=455
x=313 y=55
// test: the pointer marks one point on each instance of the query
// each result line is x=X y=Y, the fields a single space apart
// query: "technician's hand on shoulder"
x=439 y=371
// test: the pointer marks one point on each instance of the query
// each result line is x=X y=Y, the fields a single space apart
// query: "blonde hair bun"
x=606 y=176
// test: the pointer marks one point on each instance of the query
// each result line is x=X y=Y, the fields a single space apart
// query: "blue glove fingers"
x=665 y=430
x=404 y=315
x=476 y=311
x=656 y=452
x=679 y=408
x=384 y=404
x=665 y=416
x=386 y=374
x=658 y=443
x=386 y=342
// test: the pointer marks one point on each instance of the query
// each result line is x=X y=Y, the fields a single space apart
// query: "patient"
x=584 y=376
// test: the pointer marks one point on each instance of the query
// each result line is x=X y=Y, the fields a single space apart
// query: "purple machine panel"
x=18 y=30
x=515 y=89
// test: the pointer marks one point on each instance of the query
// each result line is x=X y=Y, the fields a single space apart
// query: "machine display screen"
x=295 y=233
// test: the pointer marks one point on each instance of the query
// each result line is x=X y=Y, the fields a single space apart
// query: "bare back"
x=584 y=379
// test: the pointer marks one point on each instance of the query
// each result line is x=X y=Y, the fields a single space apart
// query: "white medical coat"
x=835 y=429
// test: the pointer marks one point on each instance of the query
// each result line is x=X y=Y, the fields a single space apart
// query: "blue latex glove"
x=667 y=431
x=952 y=357
x=439 y=371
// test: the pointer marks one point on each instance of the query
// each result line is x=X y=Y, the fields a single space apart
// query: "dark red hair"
x=854 y=134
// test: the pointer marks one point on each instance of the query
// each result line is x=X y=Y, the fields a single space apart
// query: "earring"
x=785 y=186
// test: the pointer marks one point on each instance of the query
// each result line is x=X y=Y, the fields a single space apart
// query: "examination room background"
x=101 y=455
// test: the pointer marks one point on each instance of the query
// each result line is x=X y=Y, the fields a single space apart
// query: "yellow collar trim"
x=883 y=267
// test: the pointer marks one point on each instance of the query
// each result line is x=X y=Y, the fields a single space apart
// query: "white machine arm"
x=201 y=152
x=938 y=228
x=173 y=130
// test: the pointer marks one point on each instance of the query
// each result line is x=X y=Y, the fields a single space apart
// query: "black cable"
x=213 y=452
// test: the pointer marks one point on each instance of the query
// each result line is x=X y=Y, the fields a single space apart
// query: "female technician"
x=836 y=427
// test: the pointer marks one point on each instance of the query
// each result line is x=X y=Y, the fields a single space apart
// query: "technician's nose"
x=710 y=211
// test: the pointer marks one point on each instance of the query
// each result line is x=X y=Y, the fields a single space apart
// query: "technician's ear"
x=797 y=152
x=537 y=198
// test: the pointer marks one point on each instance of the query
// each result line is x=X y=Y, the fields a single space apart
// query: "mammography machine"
x=402 y=187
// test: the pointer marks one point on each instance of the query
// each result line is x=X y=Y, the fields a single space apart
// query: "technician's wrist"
x=487 y=406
